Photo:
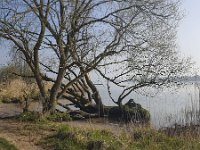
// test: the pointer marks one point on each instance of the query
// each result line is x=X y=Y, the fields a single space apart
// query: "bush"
x=130 y=111
x=136 y=114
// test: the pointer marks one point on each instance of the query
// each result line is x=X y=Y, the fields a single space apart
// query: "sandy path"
x=7 y=110
x=18 y=133
x=13 y=132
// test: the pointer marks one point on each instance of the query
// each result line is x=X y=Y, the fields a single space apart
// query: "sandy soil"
x=18 y=133
x=7 y=110
x=24 y=139
x=12 y=131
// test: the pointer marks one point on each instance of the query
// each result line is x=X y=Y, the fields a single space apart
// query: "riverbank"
x=80 y=135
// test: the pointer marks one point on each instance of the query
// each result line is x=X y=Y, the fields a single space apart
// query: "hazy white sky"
x=188 y=33
x=189 y=30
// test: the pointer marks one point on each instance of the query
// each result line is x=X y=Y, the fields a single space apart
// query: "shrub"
x=130 y=112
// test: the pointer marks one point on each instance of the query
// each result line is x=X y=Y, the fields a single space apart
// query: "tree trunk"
x=55 y=88
x=26 y=105
x=96 y=96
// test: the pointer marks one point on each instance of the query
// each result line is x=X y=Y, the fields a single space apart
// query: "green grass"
x=29 y=116
x=36 y=117
x=69 y=138
x=149 y=139
x=60 y=136
x=5 y=145
x=58 y=116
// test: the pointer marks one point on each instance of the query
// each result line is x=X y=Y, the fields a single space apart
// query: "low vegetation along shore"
x=30 y=131
x=93 y=135
x=67 y=50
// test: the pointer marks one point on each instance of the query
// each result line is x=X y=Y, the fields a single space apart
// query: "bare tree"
x=87 y=35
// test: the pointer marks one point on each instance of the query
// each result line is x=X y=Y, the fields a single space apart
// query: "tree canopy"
x=130 y=44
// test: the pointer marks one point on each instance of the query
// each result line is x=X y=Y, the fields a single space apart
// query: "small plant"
x=59 y=117
x=63 y=129
x=64 y=139
x=5 y=145
x=29 y=116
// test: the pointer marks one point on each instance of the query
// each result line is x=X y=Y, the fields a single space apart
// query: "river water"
x=169 y=106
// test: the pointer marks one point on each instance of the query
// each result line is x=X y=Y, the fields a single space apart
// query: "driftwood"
x=66 y=106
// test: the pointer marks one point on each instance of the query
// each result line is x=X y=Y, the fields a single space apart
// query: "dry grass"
x=23 y=135
x=74 y=136
x=78 y=135
x=17 y=89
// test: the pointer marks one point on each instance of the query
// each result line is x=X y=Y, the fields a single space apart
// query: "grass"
x=36 y=117
x=54 y=135
x=64 y=136
x=58 y=116
x=67 y=138
x=137 y=138
x=29 y=116
x=19 y=89
x=5 y=145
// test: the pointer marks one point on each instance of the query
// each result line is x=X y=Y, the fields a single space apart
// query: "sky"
x=188 y=36
x=4 y=57
x=189 y=31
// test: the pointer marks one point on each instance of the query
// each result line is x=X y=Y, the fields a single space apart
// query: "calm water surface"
x=167 y=107
x=171 y=105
